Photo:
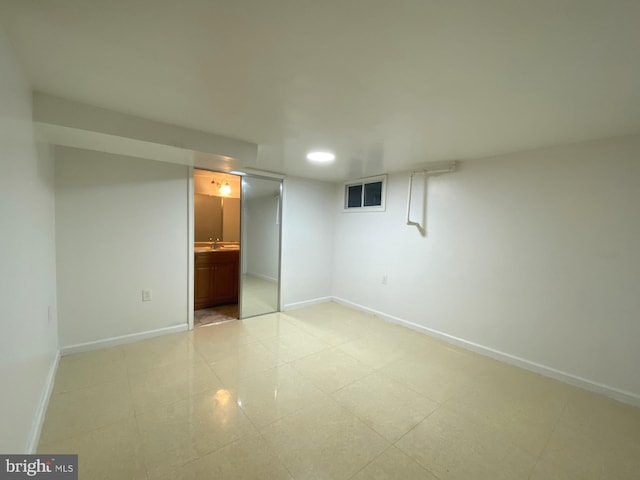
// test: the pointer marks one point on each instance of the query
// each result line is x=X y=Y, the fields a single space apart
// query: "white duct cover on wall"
x=417 y=195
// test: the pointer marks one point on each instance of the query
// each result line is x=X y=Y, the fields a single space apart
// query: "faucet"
x=215 y=244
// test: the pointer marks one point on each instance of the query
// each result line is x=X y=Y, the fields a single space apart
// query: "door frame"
x=191 y=234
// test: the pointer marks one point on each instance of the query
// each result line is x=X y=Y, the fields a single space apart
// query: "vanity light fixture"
x=223 y=189
x=321 y=157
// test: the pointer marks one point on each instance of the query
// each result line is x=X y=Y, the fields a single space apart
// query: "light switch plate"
x=146 y=295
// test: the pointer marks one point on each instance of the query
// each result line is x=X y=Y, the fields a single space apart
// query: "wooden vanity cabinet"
x=216 y=278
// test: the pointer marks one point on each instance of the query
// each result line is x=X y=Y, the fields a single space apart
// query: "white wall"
x=28 y=338
x=121 y=226
x=534 y=254
x=307 y=241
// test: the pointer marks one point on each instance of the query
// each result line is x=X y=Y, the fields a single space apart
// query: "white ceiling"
x=385 y=84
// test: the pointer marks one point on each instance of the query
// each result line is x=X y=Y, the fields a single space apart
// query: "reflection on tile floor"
x=259 y=296
x=327 y=392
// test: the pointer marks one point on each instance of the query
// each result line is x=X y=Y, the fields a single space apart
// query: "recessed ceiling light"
x=321 y=157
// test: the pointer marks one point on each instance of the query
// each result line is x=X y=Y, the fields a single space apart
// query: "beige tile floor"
x=327 y=393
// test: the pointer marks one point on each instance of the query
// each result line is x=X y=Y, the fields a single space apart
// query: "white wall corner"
x=38 y=422
x=607 y=390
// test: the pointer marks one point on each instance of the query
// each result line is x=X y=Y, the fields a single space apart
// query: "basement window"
x=365 y=195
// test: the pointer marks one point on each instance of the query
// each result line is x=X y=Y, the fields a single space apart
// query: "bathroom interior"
x=237 y=246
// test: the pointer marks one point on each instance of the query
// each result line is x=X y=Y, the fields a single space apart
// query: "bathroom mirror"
x=260 y=252
x=216 y=212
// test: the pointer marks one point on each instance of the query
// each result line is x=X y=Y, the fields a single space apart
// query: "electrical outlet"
x=146 y=295
x=384 y=279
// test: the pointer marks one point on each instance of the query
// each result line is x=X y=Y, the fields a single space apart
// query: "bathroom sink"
x=217 y=249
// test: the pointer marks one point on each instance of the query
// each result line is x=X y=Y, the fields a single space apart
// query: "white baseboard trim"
x=43 y=405
x=113 y=341
x=613 y=392
x=262 y=277
x=306 y=303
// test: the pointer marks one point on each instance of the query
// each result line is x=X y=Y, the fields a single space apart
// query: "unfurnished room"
x=337 y=240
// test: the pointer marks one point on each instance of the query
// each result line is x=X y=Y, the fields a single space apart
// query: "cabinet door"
x=202 y=286
x=223 y=282
x=236 y=279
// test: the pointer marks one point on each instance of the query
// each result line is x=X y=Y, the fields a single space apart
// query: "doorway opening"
x=235 y=232
x=216 y=280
